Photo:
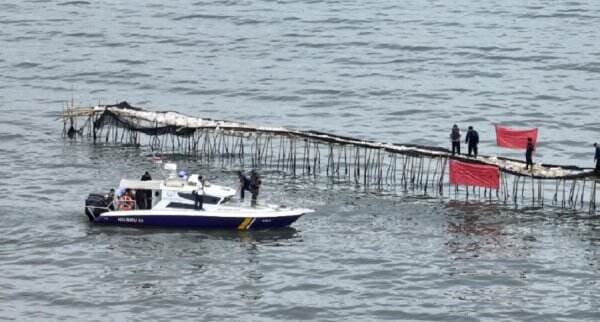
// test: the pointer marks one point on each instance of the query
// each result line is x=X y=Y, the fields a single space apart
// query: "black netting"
x=109 y=118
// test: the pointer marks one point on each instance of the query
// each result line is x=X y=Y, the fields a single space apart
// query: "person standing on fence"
x=455 y=138
x=597 y=157
x=472 y=139
x=529 y=154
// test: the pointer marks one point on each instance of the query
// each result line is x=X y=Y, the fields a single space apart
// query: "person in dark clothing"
x=597 y=157
x=244 y=184
x=140 y=199
x=254 y=186
x=146 y=177
x=145 y=199
x=529 y=154
x=472 y=139
x=71 y=132
x=199 y=194
x=455 y=138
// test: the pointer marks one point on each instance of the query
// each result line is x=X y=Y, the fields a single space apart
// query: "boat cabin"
x=170 y=193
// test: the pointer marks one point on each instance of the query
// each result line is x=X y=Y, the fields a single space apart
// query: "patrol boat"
x=172 y=205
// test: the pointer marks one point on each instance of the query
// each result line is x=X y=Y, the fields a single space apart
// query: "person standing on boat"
x=597 y=157
x=254 y=186
x=455 y=139
x=198 y=201
x=140 y=198
x=110 y=199
x=244 y=184
x=529 y=154
x=146 y=196
x=472 y=139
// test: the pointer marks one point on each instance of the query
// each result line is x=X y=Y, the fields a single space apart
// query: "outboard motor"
x=96 y=204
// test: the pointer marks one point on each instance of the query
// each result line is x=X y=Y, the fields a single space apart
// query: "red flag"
x=513 y=138
x=474 y=174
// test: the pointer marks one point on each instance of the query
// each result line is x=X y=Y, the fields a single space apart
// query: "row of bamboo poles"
x=347 y=163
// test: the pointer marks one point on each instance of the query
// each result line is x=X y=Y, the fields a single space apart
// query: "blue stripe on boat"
x=195 y=221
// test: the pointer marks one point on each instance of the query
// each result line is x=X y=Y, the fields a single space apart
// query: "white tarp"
x=181 y=120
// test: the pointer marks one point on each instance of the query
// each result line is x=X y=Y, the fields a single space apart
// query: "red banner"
x=513 y=138
x=473 y=174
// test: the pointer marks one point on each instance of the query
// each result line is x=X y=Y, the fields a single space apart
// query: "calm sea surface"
x=394 y=71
